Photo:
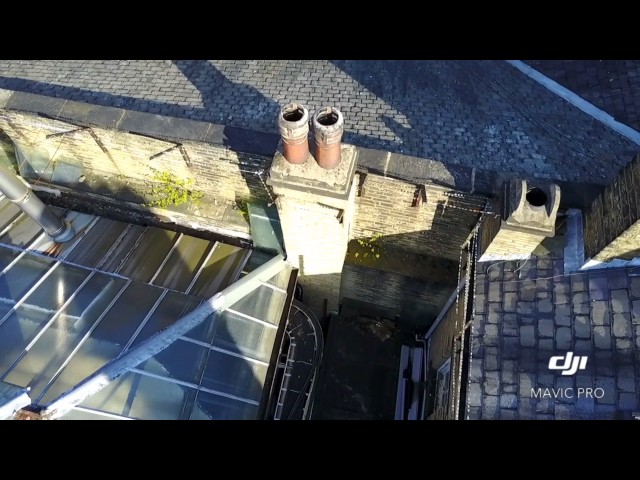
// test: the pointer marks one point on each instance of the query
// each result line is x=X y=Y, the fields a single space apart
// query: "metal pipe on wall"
x=15 y=190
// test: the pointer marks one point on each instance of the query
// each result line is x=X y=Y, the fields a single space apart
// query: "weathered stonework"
x=316 y=213
x=519 y=221
x=612 y=224
x=438 y=226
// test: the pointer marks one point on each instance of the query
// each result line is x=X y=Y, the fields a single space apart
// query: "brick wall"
x=417 y=301
x=117 y=155
x=110 y=162
x=612 y=224
x=438 y=227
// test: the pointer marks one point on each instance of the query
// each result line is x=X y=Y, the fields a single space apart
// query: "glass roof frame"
x=256 y=279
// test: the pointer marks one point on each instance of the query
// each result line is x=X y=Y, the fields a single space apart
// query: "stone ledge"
x=402 y=167
x=309 y=177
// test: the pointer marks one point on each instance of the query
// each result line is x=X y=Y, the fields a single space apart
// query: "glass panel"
x=263 y=303
x=96 y=243
x=109 y=337
x=76 y=414
x=256 y=259
x=149 y=254
x=281 y=280
x=9 y=211
x=214 y=407
x=180 y=360
x=172 y=307
x=138 y=396
x=234 y=375
x=51 y=350
x=266 y=231
x=204 y=331
x=57 y=287
x=23 y=233
x=22 y=276
x=183 y=263
x=120 y=323
x=24 y=324
x=119 y=254
x=16 y=333
x=220 y=271
x=7 y=256
x=244 y=336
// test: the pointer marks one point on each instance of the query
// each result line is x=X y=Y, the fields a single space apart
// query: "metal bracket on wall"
x=420 y=196
x=362 y=178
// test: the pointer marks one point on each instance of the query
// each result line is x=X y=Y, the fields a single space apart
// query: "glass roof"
x=68 y=309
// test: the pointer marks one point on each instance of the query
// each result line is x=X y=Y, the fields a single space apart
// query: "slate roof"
x=484 y=114
x=522 y=318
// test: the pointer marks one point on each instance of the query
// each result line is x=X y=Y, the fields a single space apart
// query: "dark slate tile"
x=604 y=365
x=585 y=407
x=493 y=317
x=626 y=379
x=617 y=278
x=510 y=325
x=489 y=407
x=508 y=401
x=510 y=347
x=621 y=327
x=584 y=381
x=527 y=336
x=583 y=346
x=509 y=303
x=600 y=313
x=545 y=328
x=507 y=414
x=545 y=348
x=563 y=338
x=544 y=405
x=623 y=344
x=527 y=292
x=494 y=292
x=602 y=337
x=562 y=315
x=544 y=306
x=526 y=381
x=627 y=401
x=607 y=384
x=634 y=287
x=598 y=287
x=582 y=326
x=579 y=283
x=620 y=301
x=525 y=308
x=635 y=312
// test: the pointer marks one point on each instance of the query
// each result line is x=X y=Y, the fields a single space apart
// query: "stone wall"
x=437 y=226
x=612 y=224
x=109 y=153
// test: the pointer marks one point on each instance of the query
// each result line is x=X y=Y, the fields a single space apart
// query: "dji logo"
x=570 y=363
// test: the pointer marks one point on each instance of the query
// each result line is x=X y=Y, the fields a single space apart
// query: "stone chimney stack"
x=525 y=215
x=316 y=208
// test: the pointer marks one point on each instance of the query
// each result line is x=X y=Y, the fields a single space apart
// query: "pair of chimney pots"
x=328 y=127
